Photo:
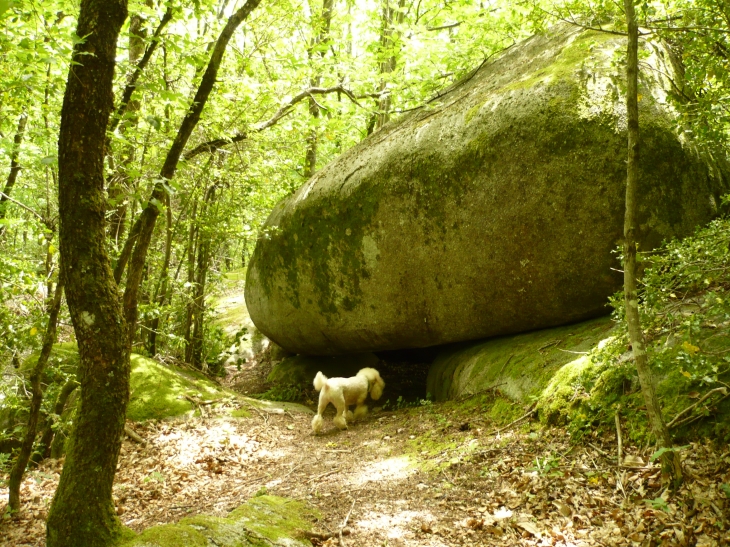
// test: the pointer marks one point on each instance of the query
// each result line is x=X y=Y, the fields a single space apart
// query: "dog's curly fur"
x=345 y=392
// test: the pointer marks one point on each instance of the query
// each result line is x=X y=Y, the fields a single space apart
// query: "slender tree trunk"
x=119 y=181
x=14 y=168
x=671 y=463
x=321 y=30
x=190 y=307
x=82 y=512
x=201 y=272
x=160 y=293
x=16 y=473
x=152 y=211
x=388 y=39
x=43 y=449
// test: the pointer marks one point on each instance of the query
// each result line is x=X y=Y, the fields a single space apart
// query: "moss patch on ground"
x=157 y=391
x=262 y=521
x=160 y=391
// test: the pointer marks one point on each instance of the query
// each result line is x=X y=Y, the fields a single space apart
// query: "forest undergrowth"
x=478 y=471
x=428 y=475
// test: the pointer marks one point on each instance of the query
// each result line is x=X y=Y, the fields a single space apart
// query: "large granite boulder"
x=494 y=209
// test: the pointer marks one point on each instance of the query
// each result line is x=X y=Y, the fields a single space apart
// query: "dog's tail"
x=320 y=381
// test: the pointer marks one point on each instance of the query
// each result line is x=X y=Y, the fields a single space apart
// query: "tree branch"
x=7 y=197
x=213 y=145
x=132 y=82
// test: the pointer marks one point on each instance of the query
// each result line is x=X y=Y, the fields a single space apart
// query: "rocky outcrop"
x=494 y=209
x=519 y=367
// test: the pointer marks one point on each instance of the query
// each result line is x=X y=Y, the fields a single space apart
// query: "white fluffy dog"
x=344 y=392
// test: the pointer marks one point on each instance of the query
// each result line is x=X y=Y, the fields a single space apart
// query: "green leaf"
x=5 y=6
x=154 y=121
x=659 y=453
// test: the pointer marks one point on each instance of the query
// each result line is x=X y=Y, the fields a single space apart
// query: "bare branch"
x=7 y=197
x=213 y=145
x=444 y=27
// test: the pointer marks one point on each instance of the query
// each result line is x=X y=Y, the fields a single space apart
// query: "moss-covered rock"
x=262 y=521
x=160 y=391
x=582 y=375
x=492 y=210
x=519 y=366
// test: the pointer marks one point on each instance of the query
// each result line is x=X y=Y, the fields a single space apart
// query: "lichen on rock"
x=493 y=210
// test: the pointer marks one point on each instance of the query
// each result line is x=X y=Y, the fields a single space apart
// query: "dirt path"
x=426 y=476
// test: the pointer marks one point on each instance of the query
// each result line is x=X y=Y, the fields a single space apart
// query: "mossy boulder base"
x=494 y=209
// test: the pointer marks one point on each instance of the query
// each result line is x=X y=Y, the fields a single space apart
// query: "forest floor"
x=425 y=475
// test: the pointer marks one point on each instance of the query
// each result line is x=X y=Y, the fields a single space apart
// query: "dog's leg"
x=318 y=421
x=360 y=412
x=341 y=417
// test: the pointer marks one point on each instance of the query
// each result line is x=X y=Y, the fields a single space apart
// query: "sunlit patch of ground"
x=389 y=470
x=526 y=486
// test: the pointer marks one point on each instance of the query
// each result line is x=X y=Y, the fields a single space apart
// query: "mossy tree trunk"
x=671 y=465
x=18 y=470
x=82 y=513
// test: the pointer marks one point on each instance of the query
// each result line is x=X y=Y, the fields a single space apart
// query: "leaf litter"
x=409 y=477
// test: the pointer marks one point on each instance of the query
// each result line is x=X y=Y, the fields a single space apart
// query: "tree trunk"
x=14 y=168
x=160 y=294
x=16 y=473
x=190 y=308
x=201 y=271
x=118 y=182
x=82 y=513
x=671 y=464
x=43 y=449
x=388 y=39
x=151 y=212
x=321 y=29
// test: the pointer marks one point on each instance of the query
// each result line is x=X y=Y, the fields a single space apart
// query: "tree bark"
x=671 y=463
x=14 y=168
x=190 y=307
x=43 y=449
x=137 y=45
x=321 y=28
x=152 y=210
x=49 y=338
x=82 y=512
x=201 y=272
x=160 y=294
x=118 y=181
x=388 y=39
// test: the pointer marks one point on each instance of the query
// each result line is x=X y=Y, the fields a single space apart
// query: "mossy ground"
x=160 y=391
x=263 y=521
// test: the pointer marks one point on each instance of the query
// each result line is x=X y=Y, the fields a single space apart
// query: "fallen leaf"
x=530 y=527
x=564 y=508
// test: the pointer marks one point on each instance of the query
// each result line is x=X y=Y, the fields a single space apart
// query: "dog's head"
x=375 y=382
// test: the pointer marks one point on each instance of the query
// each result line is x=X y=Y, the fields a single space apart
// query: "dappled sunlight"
x=392 y=469
x=398 y=525
x=189 y=445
